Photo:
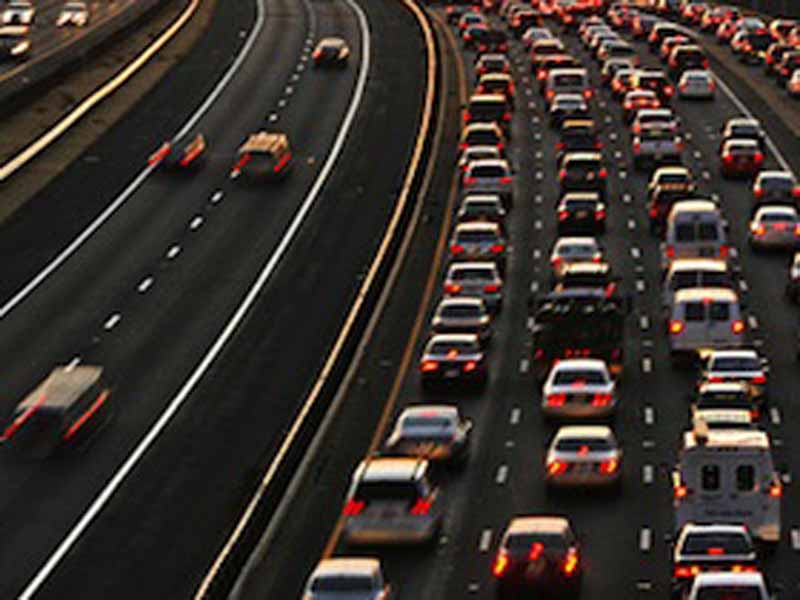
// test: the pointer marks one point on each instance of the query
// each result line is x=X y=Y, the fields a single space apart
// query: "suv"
x=391 y=501
x=583 y=172
x=264 y=155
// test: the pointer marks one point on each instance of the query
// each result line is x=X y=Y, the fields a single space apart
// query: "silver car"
x=569 y=250
x=478 y=241
x=490 y=176
x=743 y=365
x=435 y=432
x=567 y=106
x=696 y=84
x=478 y=279
x=477 y=153
x=451 y=359
x=583 y=456
x=391 y=501
x=481 y=207
x=776 y=186
x=347 y=578
x=774 y=227
x=463 y=315
x=579 y=388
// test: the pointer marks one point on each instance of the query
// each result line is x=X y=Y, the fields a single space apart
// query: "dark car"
x=740 y=158
x=660 y=32
x=743 y=128
x=776 y=186
x=750 y=46
x=789 y=62
x=656 y=81
x=583 y=172
x=331 y=51
x=453 y=358
x=661 y=200
x=185 y=153
x=684 y=58
x=538 y=554
x=581 y=213
x=577 y=135
x=773 y=56
x=555 y=61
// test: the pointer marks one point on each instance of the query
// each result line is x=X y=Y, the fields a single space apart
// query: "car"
x=740 y=158
x=75 y=14
x=497 y=83
x=601 y=37
x=567 y=81
x=331 y=52
x=542 y=48
x=391 y=501
x=662 y=119
x=450 y=359
x=494 y=40
x=610 y=68
x=482 y=134
x=533 y=34
x=737 y=365
x=477 y=279
x=489 y=108
x=538 y=553
x=586 y=456
x=793 y=283
x=775 y=187
x=481 y=207
x=697 y=85
x=750 y=46
x=579 y=388
x=642 y=26
x=725 y=32
x=793 y=84
x=463 y=315
x=473 y=35
x=686 y=273
x=587 y=34
x=617 y=49
x=730 y=395
x=773 y=55
x=708 y=548
x=722 y=418
x=686 y=57
x=490 y=176
x=672 y=178
x=636 y=100
x=264 y=155
x=712 y=17
x=622 y=83
x=573 y=249
x=492 y=63
x=743 y=128
x=577 y=135
x=750 y=23
x=15 y=42
x=661 y=31
x=692 y=11
x=186 y=153
x=566 y=106
x=780 y=29
x=655 y=80
x=581 y=213
x=62 y=412
x=434 y=432
x=775 y=227
x=471 y=153
x=789 y=63
x=729 y=585
x=523 y=20
x=553 y=61
x=654 y=146
x=479 y=241
x=347 y=578
x=582 y=172
x=672 y=42
x=18 y=12
x=471 y=18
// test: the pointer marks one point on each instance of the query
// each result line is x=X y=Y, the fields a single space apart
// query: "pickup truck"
x=656 y=146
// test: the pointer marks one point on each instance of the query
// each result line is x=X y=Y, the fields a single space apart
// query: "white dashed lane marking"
x=649 y=415
x=524 y=365
x=196 y=222
x=73 y=363
x=796 y=539
x=537 y=254
x=215 y=199
x=173 y=252
x=636 y=252
x=647 y=364
x=775 y=415
x=645 y=539
x=647 y=474
x=502 y=475
x=743 y=285
x=626 y=198
x=112 y=321
x=534 y=289
x=144 y=285
x=640 y=285
x=631 y=224
x=485 y=541
x=752 y=321
x=644 y=323
x=516 y=415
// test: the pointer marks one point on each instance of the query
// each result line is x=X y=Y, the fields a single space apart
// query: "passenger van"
x=703 y=319
x=567 y=81
x=695 y=229
x=687 y=273
x=727 y=476
x=70 y=404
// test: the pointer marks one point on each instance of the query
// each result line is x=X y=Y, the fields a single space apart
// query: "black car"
x=661 y=201
x=743 y=128
x=331 y=52
x=684 y=58
x=656 y=81
x=577 y=135
x=581 y=213
x=583 y=172
x=787 y=65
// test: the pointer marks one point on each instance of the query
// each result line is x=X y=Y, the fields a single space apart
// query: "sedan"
x=476 y=279
x=492 y=176
x=793 y=284
x=740 y=158
x=472 y=153
x=579 y=388
x=636 y=100
x=776 y=186
x=568 y=250
x=347 y=578
x=567 y=106
x=581 y=213
x=453 y=358
x=492 y=63
x=697 y=85
x=583 y=456
x=774 y=227
x=75 y=14
x=479 y=241
x=331 y=52
x=743 y=365
x=793 y=84
x=481 y=207
x=436 y=433
x=463 y=315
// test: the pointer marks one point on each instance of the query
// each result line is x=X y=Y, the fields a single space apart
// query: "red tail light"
x=609 y=467
x=598 y=145
x=491 y=288
x=723 y=251
x=551 y=94
x=715 y=551
x=453 y=288
x=776 y=490
x=429 y=366
x=637 y=147
x=160 y=154
x=758 y=157
x=670 y=251
x=563 y=215
x=456 y=249
x=760 y=230
x=653 y=212
x=506 y=180
x=796 y=192
x=759 y=379
x=556 y=467
x=737 y=327
x=537 y=549
x=680 y=491
x=316 y=54
x=744 y=569
x=601 y=400
x=588 y=94
x=758 y=192
x=570 y=563
x=686 y=571
x=541 y=74
x=501 y=563
x=556 y=261
x=669 y=90
x=676 y=327
x=556 y=399
x=422 y=507
x=282 y=163
x=507 y=116
x=560 y=146
x=470 y=366
x=497 y=248
x=466 y=115
x=353 y=508
x=715 y=379
x=469 y=181
x=562 y=174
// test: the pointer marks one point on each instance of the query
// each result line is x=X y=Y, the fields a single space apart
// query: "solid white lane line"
x=647 y=474
x=644 y=323
x=636 y=252
x=524 y=365
x=173 y=251
x=647 y=364
x=502 y=475
x=218 y=195
x=516 y=415
x=112 y=321
x=196 y=222
x=144 y=285
x=645 y=539
x=485 y=541
x=775 y=415
x=649 y=415
x=232 y=326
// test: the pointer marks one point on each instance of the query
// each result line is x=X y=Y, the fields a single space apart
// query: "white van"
x=567 y=81
x=695 y=229
x=687 y=273
x=704 y=319
x=727 y=476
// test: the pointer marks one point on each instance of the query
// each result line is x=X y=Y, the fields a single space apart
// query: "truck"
x=579 y=323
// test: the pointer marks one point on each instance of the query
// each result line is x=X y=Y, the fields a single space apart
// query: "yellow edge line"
x=344 y=333
x=405 y=362
x=13 y=165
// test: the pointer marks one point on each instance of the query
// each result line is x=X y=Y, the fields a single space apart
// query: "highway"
x=625 y=544
x=149 y=294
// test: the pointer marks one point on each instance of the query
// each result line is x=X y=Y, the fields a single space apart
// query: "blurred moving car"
x=18 y=12
x=264 y=155
x=452 y=359
x=75 y=14
x=186 y=153
x=331 y=51
x=15 y=42
x=347 y=578
x=435 y=432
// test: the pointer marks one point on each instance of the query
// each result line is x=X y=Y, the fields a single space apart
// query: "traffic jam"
x=612 y=247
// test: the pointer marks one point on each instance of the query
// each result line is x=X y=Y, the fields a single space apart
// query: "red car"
x=740 y=158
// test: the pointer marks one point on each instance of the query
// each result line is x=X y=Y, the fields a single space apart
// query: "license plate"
x=582 y=398
x=582 y=214
x=451 y=373
x=707 y=252
x=659 y=156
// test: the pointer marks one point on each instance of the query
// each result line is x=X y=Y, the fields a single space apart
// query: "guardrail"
x=41 y=67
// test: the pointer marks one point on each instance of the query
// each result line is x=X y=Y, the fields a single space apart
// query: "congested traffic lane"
x=624 y=538
x=150 y=292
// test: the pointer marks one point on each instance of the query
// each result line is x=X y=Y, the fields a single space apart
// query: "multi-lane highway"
x=625 y=548
x=144 y=272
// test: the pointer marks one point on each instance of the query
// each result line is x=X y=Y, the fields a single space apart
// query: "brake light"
x=556 y=467
x=676 y=327
x=282 y=163
x=563 y=215
x=537 y=548
x=680 y=491
x=609 y=467
x=737 y=327
x=653 y=212
x=550 y=94
x=316 y=54
x=670 y=251
x=669 y=90
x=776 y=490
x=506 y=179
x=429 y=366
x=422 y=507
x=601 y=400
x=497 y=248
x=562 y=174
x=556 y=399
x=759 y=379
x=466 y=115
x=453 y=288
x=560 y=146
x=715 y=551
x=353 y=508
x=758 y=157
x=541 y=74
x=598 y=145
x=637 y=147
x=588 y=94
x=456 y=249
x=491 y=288
x=160 y=154
x=501 y=563
x=506 y=116
x=470 y=366
x=469 y=181
x=744 y=569
x=686 y=571
x=758 y=192
x=556 y=261
x=571 y=563
x=716 y=379
x=723 y=251
x=796 y=192
x=603 y=173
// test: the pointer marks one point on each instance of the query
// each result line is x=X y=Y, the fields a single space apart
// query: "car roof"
x=577 y=124
x=728 y=578
x=584 y=196
x=726 y=438
x=392 y=469
x=62 y=387
x=496 y=77
x=430 y=410
x=740 y=353
x=267 y=142
x=702 y=294
x=774 y=209
x=775 y=174
x=331 y=41
x=497 y=98
x=713 y=528
x=667 y=112
x=694 y=205
x=478 y=226
x=538 y=524
x=481 y=197
x=735 y=121
x=482 y=126
x=699 y=264
x=493 y=56
x=347 y=566
x=488 y=162
x=15 y=30
x=483 y=264
x=576 y=241
x=723 y=386
x=741 y=143
x=587 y=267
x=672 y=170
x=583 y=156
x=568 y=71
x=453 y=338
x=461 y=301
x=568 y=364
x=584 y=431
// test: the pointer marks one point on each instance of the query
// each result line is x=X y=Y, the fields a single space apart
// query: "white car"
x=19 y=12
x=583 y=456
x=775 y=226
x=697 y=84
x=477 y=153
x=347 y=578
x=15 y=42
x=75 y=14
x=568 y=250
x=579 y=388
x=725 y=585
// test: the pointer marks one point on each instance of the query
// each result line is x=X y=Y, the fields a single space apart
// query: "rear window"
x=568 y=80
x=714 y=400
x=694 y=311
x=581 y=204
x=701 y=543
x=719 y=311
x=714 y=279
x=460 y=311
x=745 y=478
x=476 y=237
x=777 y=183
x=709 y=478
x=521 y=542
x=579 y=377
x=342 y=583
x=734 y=363
x=593 y=444
x=460 y=347
x=488 y=171
x=696 y=232
x=578 y=167
x=475 y=207
x=464 y=274
x=377 y=491
x=428 y=422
